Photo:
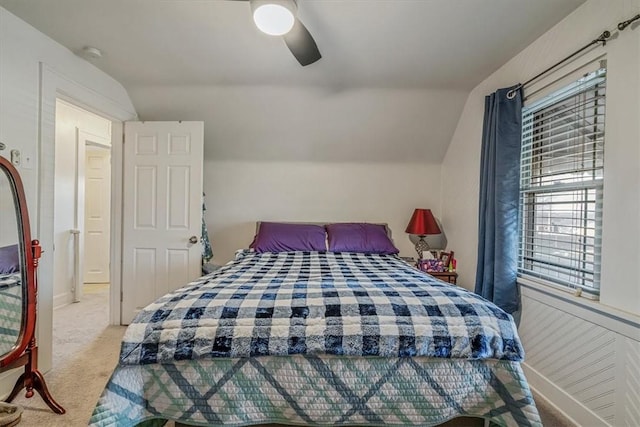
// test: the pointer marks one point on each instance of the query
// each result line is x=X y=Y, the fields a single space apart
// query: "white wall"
x=621 y=228
x=240 y=193
x=33 y=69
x=73 y=125
x=311 y=124
x=582 y=359
x=312 y=153
x=581 y=356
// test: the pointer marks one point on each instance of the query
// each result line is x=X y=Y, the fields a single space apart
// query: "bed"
x=318 y=337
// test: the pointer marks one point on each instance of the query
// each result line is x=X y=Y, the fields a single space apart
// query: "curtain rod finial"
x=624 y=24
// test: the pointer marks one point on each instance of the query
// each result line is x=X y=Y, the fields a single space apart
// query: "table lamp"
x=421 y=224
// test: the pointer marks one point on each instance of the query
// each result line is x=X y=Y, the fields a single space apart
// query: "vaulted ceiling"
x=401 y=67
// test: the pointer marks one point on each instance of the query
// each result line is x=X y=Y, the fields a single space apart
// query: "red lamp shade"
x=423 y=223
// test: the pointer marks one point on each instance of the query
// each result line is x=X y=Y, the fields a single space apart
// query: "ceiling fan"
x=279 y=18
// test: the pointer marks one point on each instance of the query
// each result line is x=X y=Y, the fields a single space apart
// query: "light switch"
x=16 y=158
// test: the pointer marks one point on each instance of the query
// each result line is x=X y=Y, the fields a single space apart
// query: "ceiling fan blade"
x=302 y=44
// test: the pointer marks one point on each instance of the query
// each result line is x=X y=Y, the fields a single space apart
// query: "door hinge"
x=121 y=296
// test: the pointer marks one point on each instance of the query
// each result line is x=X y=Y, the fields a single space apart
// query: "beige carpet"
x=86 y=351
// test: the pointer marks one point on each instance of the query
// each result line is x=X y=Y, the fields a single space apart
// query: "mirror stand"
x=32 y=379
x=19 y=258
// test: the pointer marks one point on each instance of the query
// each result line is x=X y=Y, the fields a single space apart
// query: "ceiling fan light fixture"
x=273 y=19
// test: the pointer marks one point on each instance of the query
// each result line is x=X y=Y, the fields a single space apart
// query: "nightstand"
x=409 y=260
x=446 y=276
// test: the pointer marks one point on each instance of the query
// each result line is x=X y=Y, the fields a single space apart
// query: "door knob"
x=193 y=239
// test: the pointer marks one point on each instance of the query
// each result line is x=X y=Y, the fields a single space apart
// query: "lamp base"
x=421 y=246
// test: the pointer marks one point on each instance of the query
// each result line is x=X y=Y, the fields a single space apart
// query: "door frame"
x=55 y=85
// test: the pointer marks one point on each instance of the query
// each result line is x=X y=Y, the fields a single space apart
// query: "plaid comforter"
x=316 y=303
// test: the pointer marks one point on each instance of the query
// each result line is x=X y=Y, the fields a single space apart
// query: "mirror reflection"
x=11 y=292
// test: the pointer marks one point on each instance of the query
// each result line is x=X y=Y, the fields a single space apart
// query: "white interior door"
x=162 y=210
x=97 y=209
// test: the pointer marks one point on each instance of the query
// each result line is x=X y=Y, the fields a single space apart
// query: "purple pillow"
x=360 y=237
x=9 y=259
x=279 y=237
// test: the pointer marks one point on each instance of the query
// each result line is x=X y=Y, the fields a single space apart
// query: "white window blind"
x=561 y=185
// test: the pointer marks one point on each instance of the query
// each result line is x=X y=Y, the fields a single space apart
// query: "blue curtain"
x=499 y=192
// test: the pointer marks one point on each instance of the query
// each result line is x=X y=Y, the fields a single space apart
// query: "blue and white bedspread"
x=318 y=339
x=317 y=391
x=317 y=303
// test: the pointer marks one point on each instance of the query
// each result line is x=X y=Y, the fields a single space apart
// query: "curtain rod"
x=602 y=38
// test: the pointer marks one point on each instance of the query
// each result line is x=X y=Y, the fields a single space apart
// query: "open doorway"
x=82 y=221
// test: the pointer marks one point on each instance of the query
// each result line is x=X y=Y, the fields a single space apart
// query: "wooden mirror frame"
x=25 y=352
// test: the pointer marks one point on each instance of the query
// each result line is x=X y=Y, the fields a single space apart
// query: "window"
x=561 y=182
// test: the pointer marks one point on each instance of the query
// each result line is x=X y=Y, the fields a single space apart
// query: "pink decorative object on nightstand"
x=431 y=265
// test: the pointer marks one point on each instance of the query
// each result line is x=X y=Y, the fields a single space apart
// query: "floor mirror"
x=19 y=257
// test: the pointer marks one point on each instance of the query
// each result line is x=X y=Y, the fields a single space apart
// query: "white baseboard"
x=61 y=300
x=561 y=401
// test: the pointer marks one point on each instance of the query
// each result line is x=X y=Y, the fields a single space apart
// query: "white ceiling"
x=390 y=87
x=365 y=43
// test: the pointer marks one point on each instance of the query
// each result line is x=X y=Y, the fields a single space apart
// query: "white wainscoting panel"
x=570 y=349
x=629 y=413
